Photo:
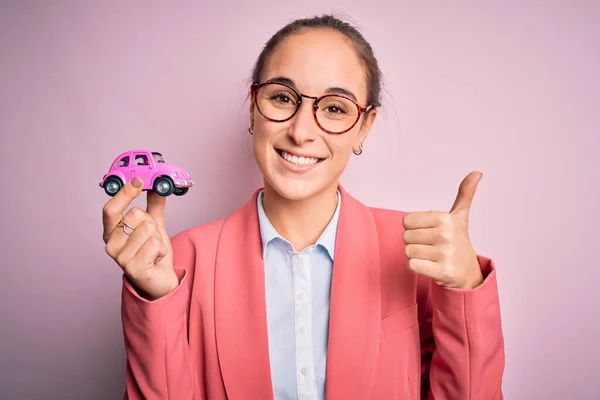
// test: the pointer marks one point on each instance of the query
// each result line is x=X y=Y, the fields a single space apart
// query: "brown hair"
x=363 y=50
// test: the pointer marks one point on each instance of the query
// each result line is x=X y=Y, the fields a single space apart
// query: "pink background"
x=508 y=88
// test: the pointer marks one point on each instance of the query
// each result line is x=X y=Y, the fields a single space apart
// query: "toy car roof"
x=123 y=154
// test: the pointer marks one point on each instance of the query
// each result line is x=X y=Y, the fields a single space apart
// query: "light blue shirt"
x=298 y=287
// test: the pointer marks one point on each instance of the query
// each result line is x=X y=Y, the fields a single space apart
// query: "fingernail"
x=136 y=182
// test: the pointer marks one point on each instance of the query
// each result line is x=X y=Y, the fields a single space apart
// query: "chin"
x=294 y=189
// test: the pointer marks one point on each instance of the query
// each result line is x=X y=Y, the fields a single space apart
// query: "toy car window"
x=158 y=158
x=124 y=162
x=141 y=159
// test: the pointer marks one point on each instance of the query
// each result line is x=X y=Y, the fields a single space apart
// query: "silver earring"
x=358 y=153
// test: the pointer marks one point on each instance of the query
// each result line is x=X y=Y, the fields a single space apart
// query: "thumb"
x=466 y=192
x=155 y=207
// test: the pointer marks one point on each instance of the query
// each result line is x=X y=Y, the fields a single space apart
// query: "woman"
x=304 y=292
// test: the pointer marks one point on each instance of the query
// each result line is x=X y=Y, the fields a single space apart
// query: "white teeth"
x=299 y=160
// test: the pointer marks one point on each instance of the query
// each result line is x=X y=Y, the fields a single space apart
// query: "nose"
x=303 y=127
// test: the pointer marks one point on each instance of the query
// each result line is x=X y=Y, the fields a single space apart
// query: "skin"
x=438 y=244
x=299 y=205
x=315 y=60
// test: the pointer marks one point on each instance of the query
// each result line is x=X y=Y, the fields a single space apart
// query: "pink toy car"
x=165 y=179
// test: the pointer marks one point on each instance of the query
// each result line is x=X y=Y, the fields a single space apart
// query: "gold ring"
x=125 y=226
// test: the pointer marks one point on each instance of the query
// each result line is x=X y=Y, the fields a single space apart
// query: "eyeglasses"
x=333 y=113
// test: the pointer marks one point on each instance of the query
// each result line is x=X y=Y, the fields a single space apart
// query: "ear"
x=251 y=108
x=367 y=124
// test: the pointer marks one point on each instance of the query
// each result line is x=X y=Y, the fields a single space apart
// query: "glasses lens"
x=336 y=113
x=277 y=102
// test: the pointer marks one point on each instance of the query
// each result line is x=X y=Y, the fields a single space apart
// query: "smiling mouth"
x=291 y=158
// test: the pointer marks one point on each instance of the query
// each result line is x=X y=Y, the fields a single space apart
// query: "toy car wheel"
x=164 y=186
x=112 y=185
x=180 y=191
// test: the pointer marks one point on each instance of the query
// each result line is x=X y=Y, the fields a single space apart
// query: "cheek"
x=262 y=141
x=259 y=145
x=340 y=155
x=265 y=131
x=340 y=147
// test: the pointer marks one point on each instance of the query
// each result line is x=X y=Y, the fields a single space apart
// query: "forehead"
x=316 y=60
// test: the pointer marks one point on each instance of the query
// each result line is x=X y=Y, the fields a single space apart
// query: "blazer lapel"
x=355 y=308
x=240 y=308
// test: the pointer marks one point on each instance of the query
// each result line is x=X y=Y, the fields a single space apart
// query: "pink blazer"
x=392 y=335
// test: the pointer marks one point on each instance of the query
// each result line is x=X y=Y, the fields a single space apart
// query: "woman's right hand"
x=143 y=252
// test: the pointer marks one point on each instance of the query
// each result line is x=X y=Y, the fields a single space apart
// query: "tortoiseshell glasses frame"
x=256 y=87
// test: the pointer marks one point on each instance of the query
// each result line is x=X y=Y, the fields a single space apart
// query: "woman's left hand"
x=438 y=243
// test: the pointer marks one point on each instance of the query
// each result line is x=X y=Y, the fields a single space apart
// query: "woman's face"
x=314 y=62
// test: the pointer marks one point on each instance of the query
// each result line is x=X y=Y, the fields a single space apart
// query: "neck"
x=301 y=222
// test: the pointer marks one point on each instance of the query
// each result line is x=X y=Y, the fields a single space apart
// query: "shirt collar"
x=268 y=232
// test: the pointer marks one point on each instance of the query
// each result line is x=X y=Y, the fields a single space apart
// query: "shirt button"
x=304 y=371
x=303 y=330
x=301 y=297
x=296 y=262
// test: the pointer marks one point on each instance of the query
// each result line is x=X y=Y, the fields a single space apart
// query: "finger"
x=117 y=239
x=155 y=206
x=114 y=208
x=140 y=235
x=425 y=219
x=138 y=216
x=466 y=192
x=422 y=252
x=420 y=236
x=427 y=268
x=139 y=267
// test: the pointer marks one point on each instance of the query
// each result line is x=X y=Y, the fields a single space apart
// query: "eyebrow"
x=331 y=90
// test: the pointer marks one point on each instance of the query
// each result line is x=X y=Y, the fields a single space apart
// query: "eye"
x=335 y=109
x=282 y=98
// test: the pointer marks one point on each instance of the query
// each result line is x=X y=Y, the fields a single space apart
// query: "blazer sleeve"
x=462 y=344
x=159 y=362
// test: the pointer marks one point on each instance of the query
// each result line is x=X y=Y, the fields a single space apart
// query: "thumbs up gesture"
x=438 y=244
